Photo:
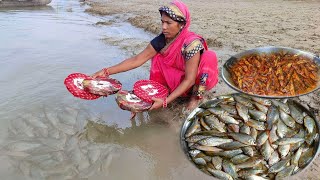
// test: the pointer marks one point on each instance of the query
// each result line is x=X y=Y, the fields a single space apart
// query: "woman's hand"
x=100 y=73
x=157 y=103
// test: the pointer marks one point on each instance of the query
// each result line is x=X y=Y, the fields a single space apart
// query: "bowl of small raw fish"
x=273 y=72
x=237 y=136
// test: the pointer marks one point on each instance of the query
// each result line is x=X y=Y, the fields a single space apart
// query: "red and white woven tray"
x=148 y=89
x=73 y=83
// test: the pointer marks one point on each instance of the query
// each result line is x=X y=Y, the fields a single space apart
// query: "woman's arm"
x=188 y=81
x=130 y=63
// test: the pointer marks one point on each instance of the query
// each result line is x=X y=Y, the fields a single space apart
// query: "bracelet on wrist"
x=164 y=103
x=106 y=71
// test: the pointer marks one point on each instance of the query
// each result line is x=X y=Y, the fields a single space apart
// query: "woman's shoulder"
x=192 y=47
x=158 y=42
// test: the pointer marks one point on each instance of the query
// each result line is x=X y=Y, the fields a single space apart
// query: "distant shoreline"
x=23 y=3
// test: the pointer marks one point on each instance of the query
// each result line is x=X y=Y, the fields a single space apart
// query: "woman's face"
x=170 y=28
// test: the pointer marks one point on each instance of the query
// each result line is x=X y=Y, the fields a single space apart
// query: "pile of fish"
x=275 y=74
x=49 y=146
x=245 y=137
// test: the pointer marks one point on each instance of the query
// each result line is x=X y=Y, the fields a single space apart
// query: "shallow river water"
x=45 y=132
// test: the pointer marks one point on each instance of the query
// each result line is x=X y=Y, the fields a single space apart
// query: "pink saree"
x=168 y=66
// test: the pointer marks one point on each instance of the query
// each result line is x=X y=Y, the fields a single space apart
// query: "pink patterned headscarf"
x=168 y=66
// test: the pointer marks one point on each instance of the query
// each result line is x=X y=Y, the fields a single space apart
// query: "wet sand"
x=231 y=27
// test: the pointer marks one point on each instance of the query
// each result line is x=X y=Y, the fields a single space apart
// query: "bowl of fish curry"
x=238 y=136
x=273 y=72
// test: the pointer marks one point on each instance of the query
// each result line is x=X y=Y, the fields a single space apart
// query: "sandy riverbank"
x=233 y=26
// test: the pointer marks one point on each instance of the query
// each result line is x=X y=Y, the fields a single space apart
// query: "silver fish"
x=262 y=138
x=256 y=124
x=248 y=150
x=272 y=116
x=195 y=138
x=256 y=177
x=311 y=137
x=250 y=163
x=207 y=159
x=233 y=128
x=281 y=105
x=243 y=138
x=229 y=168
x=212 y=132
x=243 y=111
x=213 y=141
x=262 y=101
x=34 y=121
x=196 y=112
x=277 y=167
x=296 y=156
x=282 y=129
x=229 y=108
x=22 y=146
x=241 y=158
x=285 y=141
x=230 y=153
x=284 y=150
x=193 y=127
x=232 y=145
x=244 y=173
x=199 y=161
x=306 y=157
x=217 y=110
x=301 y=134
x=200 y=155
x=257 y=115
x=227 y=119
x=203 y=113
x=210 y=104
x=254 y=133
x=309 y=123
x=245 y=129
x=204 y=124
x=261 y=107
x=205 y=169
x=273 y=134
x=287 y=171
x=220 y=174
x=287 y=119
x=214 y=122
x=266 y=150
x=295 y=113
x=217 y=162
x=194 y=152
x=206 y=148
x=274 y=158
x=245 y=101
